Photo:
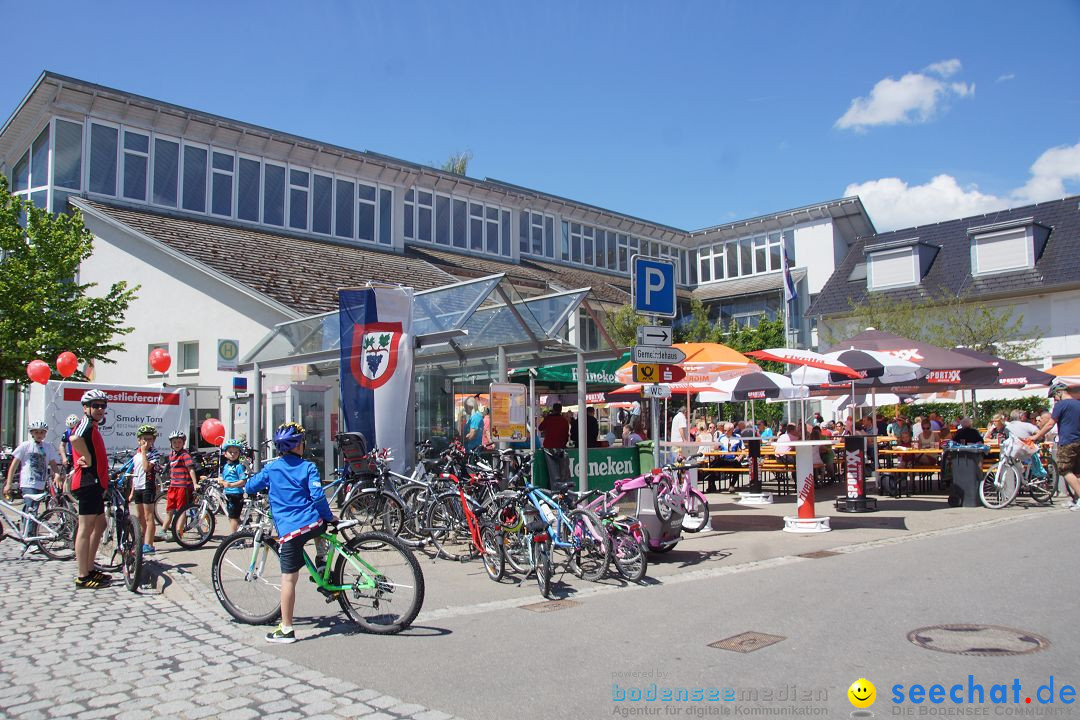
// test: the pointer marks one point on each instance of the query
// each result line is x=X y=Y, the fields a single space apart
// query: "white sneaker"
x=1075 y=507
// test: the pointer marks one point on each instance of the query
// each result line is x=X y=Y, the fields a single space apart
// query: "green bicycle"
x=374 y=576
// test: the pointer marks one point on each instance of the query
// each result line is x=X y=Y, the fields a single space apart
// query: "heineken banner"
x=606 y=465
x=377 y=368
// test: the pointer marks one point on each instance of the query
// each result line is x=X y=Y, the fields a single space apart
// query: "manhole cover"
x=989 y=640
x=747 y=642
x=550 y=606
x=818 y=554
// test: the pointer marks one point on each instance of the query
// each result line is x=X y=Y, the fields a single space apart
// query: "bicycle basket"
x=355 y=453
x=1017 y=449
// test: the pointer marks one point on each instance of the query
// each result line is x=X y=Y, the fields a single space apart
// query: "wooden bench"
x=772 y=473
x=909 y=474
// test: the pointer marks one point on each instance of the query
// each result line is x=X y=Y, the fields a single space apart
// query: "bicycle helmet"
x=94 y=395
x=39 y=425
x=177 y=434
x=146 y=430
x=72 y=421
x=232 y=443
x=288 y=436
x=1056 y=387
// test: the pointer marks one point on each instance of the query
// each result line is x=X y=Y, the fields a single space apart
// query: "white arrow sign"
x=656 y=335
x=662 y=355
x=656 y=391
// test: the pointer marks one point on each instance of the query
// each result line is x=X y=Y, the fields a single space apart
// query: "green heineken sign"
x=598 y=372
x=605 y=466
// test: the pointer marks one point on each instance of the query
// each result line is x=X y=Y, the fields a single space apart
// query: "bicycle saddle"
x=606 y=514
x=35 y=497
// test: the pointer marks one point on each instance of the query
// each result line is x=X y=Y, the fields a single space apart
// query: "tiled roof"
x=752 y=285
x=303 y=274
x=1057 y=266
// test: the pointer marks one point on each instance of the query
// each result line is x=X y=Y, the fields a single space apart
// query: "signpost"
x=656 y=392
x=658 y=373
x=658 y=355
x=657 y=335
x=653 y=286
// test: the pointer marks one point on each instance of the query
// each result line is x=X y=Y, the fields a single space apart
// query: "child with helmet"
x=144 y=485
x=182 y=480
x=233 y=476
x=300 y=512
x=37 y=464
x=65 y=442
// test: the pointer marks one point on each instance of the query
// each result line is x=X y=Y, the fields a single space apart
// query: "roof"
x=752 y=285
x=848 y=214
x=303 y=274
x=1057 y=267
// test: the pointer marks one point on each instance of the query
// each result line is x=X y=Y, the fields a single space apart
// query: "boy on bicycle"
x=182 y=480
x=233 y=476
x=144 y=485
x=37 y=463
x=300 y=511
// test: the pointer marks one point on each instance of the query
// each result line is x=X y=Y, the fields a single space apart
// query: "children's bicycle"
x=53 y=532
x=374 y=577
x=676 y=493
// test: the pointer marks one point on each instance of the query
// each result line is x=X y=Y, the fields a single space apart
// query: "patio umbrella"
x=805 y=358
x=755 y=386
x=1011 y=374
x=1068 y=371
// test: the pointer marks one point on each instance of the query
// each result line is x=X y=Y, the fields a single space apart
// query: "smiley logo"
x=862 y=693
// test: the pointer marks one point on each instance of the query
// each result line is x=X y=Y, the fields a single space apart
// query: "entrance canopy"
x=453 y=324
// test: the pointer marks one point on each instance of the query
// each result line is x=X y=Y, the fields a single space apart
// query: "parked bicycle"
x=194 y=525
x=675 y=493
x=52 y=532
x=121 y=543
x=1011 y=475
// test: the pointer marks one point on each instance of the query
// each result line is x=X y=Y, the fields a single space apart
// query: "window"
x=423 y=216
x=891 y=268
x=273 y=211
x=136 y=162
x=476 y=226
x=344 y=202
x=298 y=198
x=39 y=160
x=731 y=250
x=67 y=160
x=442 y=219
x=103 y=147
x=149 y=349
x=322 y=203
x=601 y=248
x=587 y=233
x=247 y=190
x=1001 y=251
x=366 y=211
x=20 y=175
x=775 y=261
x=194 y=178
x=166 y=171
x=221 y=184
x=505 y=244
x=705 y=268
x=564 y=241
x=523 y=232
x=461 y=223
x=188 y=362
x=493 y=230
x=386 y=216
x=575 y=242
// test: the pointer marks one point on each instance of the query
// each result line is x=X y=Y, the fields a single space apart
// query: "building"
x=231 y=228
x=1025 y=258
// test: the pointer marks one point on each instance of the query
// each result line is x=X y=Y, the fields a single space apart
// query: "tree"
x=43 y=309
x=457 y=163
x=948 y=320
x=622 y=325
x=697 y=327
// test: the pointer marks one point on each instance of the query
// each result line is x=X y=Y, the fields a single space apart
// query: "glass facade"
x=456 y=222
x=742 y=257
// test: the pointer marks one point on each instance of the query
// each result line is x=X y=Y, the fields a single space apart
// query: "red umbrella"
x=805 y=358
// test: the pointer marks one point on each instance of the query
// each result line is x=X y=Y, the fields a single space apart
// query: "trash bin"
x=966 y=464
x=645 y=455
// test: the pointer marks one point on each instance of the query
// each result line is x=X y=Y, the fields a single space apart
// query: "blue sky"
x=685 y=113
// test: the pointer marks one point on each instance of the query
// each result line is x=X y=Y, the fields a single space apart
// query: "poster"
x=508 y=412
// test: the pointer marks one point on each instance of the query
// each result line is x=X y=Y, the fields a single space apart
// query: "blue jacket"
x=296 y=494
x=231 y=472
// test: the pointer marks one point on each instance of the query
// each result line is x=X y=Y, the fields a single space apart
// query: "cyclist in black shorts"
x=144 y=485
x=233 y=476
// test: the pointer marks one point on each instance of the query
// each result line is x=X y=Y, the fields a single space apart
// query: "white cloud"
x=1006 y=77
x=915 y=98
x=893 y=203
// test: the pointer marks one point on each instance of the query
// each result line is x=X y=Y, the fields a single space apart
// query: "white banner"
x=129 y=407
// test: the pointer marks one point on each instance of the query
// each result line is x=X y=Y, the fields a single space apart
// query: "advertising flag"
x=789 y=282
x=377 y=368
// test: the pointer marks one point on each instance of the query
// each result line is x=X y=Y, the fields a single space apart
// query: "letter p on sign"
x=653 y=286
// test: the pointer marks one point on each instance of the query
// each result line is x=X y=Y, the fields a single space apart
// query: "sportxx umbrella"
x=755 y=386
x=1011 y=374
x=805 y=358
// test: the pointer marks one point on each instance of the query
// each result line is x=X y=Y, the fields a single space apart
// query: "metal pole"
x=582 y=426
x=256 y=417
x=532 y=411
x=655 y=407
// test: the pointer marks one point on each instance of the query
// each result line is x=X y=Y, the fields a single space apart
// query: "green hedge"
x=986 y=408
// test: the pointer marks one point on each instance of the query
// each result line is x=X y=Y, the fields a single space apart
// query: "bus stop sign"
x=653 y=286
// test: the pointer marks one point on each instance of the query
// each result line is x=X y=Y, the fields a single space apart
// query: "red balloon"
x=212 y=431
x=38 y=371
x=160 y=359
x=66 y=364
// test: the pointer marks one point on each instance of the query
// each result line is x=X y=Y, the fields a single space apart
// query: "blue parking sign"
x=653 y=286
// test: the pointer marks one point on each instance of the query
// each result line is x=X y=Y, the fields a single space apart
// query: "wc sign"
x=652 y=285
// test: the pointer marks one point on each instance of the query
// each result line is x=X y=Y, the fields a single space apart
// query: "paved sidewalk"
x=114 y=654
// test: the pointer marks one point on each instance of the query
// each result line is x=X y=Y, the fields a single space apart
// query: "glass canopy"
x=459 y=322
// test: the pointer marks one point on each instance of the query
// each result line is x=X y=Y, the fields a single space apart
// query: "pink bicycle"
x=674 y=492
x=629 y=539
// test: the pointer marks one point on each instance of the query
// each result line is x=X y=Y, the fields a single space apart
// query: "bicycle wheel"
x=697 y=514
x=247 y=579
x=542 y=562
x=1040 y=490
x=627 y=554
x=198 y=523
x=107 y=557
x=591 y=553
x=516 y=551
x=1053 y=479
x=449 y=528
x=662 y=500
x=494 y=561
x=415 y=499
x=129 y=549
x=375 y=510
x=64 y=523
x=999 y=486
x=159 y=507
x=398 y=595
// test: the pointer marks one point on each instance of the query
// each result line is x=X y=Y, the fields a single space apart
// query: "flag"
x=377 y=368
x=789 y=283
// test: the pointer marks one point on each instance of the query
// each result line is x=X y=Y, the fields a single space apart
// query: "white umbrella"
x=755 y=386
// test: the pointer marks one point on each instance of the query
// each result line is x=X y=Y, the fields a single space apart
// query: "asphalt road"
x=477 y=653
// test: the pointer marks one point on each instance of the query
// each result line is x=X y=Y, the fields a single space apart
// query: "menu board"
x=508 y=412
